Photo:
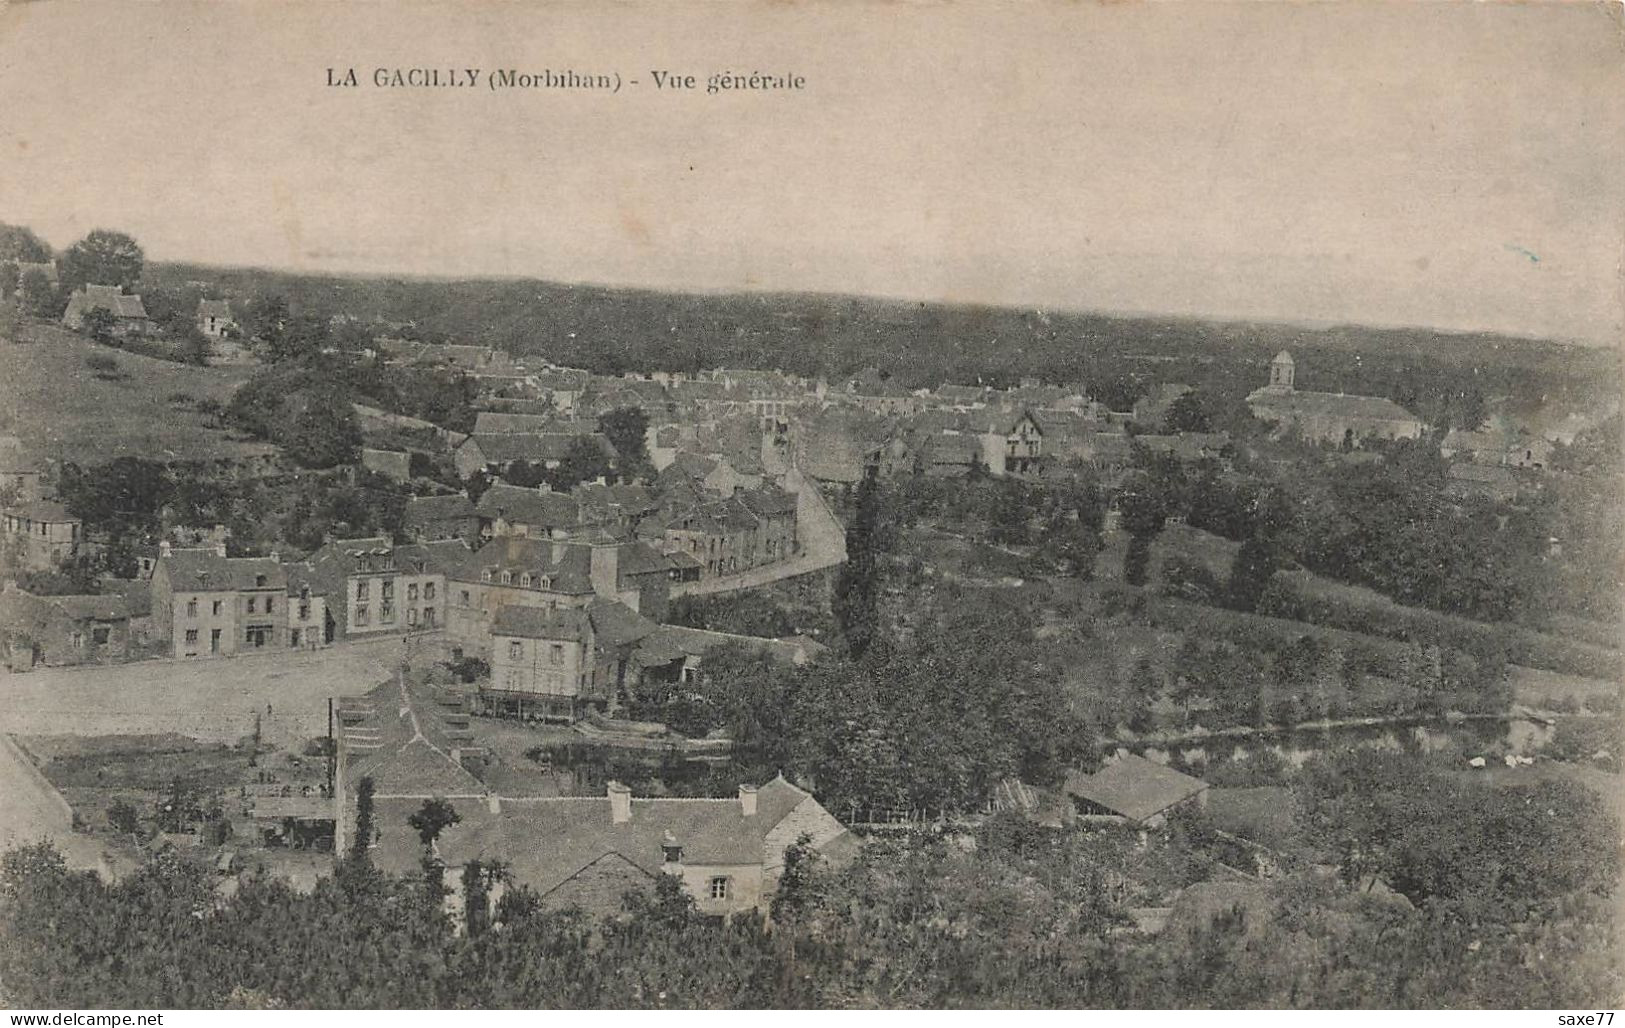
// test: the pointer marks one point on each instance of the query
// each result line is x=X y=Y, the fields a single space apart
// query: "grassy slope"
x=59 y=408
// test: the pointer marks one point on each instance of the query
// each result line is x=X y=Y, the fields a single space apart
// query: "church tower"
x=1281 y=371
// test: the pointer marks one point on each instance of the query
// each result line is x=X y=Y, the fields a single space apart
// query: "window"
x=428 y=590
x=259 y=581
x=191 y=637
x=524 y=580
x=361 y=615
x=507 y=578
x=214 y=640
x=674 y=852
x=99 y=636
x=544 y=582
x=516 y=650
x=719 y=888
x=269 y=602
x=412 y=592
x=251 y=602
x=555 y=654
x=386 y=590
x=215 y=609
x=386 y=613
x=304 y=610
x=191 y=607
x=465 y=597
x=411 y=615
x=485 y=576
x=361 y=589
x=78 y=640
x=428 y=616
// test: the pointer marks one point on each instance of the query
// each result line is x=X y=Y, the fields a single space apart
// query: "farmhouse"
x=129 y=315
x=214 y=318
x=62 y=630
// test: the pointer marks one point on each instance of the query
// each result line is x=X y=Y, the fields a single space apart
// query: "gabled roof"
x=506 y=447
x=1338 y=405
x=523 y=622
x=419 y=509
x=616 y=624
x=402 y=744
x=533 y=507
x=42 y=510
x=213 y=309
x=207 y=571
x=109 y=298
x=1134 y=787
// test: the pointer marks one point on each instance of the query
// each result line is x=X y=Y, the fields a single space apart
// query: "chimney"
x=493 y=803
x=276 y=556
x=620 y=803
x=747 y=800
x=164 y=549
x=220 y=549
x=604 y=570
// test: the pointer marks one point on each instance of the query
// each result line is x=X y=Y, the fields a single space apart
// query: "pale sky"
x=1434 y=164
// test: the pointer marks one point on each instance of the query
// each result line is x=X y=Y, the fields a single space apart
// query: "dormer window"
x=507 y=578
x=259 y=581
x=524 y=580
x=544 y=582
x=485 y=576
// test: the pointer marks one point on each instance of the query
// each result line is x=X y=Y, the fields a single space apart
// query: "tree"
x=264 y=318
x=627 y=428
x=1144 y=509
x=1187 y=413
x=19 y=243
x=104 y=258
x=364 y=827
x=98 y=324
x=37 y=297
x=435 y=816
x=857 y=587
x=123 y=818
x=1250 y=572
x=325 y=433
x=583 y=461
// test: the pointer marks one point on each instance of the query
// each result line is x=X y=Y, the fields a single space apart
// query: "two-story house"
x=206 y=604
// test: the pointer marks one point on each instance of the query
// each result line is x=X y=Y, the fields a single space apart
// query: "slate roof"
x=534 y=507
x=548 y=841
x=496 y=423
x=1339 y=405
x=524 y=622
x=213 y=309
x=1134 y=787
x=402 y=743
x=675 y=642
x=504 y=448
x=91 y=607
x=420 y=509
x=207 y=571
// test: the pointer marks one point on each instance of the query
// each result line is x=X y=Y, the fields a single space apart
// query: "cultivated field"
x=62 y=408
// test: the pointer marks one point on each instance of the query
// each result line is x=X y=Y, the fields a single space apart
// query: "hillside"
x=615 y=329
x=62 y=408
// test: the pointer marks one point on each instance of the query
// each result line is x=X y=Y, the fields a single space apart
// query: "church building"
x=1336 y=418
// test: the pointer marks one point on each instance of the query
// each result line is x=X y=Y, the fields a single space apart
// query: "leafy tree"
x=435 y=816
x=98 y=324
x=524 y=474
x=122 y=816
x=364 y=825
x=1187 y=413
x=857 y=587
x=583 y=461
x=103 y=257
x=37 y=297
x=265 y=317
x=325 y=433
x=627 y=428
x=1255 y=563
x=1144 y=508
x=19 y=243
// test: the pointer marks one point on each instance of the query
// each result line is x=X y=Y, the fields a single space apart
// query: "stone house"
x=207 y=604
x=59 y=631
x=42 y=533
x=427 y=519
x=214 y=318
x=1336 y=418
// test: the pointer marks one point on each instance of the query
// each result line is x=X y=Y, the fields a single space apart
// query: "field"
x=62 y=408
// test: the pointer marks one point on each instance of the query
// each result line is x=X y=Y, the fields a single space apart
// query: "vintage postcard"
x=820 y=505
